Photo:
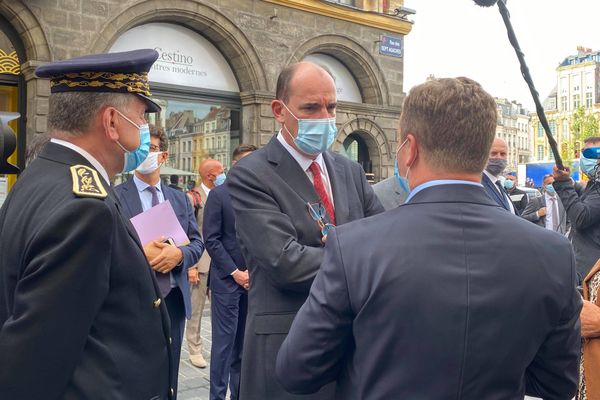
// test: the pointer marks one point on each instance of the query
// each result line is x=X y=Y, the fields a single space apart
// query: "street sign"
x=390 y=46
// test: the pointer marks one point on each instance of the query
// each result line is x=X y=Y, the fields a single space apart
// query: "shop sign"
x=185 y=58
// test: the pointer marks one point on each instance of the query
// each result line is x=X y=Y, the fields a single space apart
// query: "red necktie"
x=321 y=191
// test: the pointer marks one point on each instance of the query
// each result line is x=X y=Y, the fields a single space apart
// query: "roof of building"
x=583 y=55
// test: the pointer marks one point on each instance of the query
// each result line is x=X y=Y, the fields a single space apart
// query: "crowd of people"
x=444 y=280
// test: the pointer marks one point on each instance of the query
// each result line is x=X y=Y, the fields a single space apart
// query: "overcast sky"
x=455 y=37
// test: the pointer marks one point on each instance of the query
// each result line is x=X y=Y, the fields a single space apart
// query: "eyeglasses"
x=317 y=213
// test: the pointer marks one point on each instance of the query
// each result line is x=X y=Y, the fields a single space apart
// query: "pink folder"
x=158 y=221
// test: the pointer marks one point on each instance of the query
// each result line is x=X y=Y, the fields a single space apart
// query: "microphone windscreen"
x=485 y=3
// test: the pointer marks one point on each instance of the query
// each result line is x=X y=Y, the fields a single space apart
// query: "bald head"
x=499 y=149
x=208 y=170
x=299 y=73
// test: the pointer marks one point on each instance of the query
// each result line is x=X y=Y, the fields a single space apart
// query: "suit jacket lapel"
x=132 y=206
x=132 y=197
x=337 y=179
x=493 y=189
x=289 y=170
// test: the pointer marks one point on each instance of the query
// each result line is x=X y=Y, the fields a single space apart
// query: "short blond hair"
x=453 y=120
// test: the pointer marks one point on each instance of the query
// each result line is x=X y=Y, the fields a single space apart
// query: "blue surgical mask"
x=133 y=159
x=220 y=179
x=550 y=189
x=508 y=184
x=587 y=165
x=402 y=181
x=314 y=135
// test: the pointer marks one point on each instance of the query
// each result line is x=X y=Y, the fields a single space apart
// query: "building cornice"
x=374 y=20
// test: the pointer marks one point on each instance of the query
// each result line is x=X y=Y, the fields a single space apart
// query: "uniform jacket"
x=530 y=214
x=80 y=311
x=519 y=199
x=583 y=212
x=283 y=249
x=389 y=193
x=455 y=299
x=132 y=206
x=221 y=241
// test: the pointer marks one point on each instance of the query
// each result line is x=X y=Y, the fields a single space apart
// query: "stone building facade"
x=249 y=40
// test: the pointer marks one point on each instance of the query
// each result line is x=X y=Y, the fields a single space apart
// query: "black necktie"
x=164 y=280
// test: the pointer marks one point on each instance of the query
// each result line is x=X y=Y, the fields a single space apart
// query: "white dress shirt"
x=305 y=162
x=550 y=201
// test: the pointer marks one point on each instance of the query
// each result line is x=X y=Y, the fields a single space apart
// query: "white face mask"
x=150 y=164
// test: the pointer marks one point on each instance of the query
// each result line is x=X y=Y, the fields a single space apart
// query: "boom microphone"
x=485 y=3
x=526 y=75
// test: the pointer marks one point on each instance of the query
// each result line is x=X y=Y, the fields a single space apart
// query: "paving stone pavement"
x=194 y=382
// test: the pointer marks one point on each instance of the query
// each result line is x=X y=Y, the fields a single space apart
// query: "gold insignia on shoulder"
x=86 y=182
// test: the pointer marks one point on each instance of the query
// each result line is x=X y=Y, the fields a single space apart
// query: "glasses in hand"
x=317 y=213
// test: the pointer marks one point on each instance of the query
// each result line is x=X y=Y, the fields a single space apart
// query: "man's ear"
x=164 y=157
x=413 y=149
x=110 y=122
x=277 y=109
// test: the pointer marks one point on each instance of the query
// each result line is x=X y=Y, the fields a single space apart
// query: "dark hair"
x=157 y=132
x=174 y=179
x=454 y=120
x=592 y=139
x=243 y=149
x=546 y=177
x=286 y=75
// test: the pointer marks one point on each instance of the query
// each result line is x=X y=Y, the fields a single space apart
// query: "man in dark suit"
x=583 y=209
x=169 y=262
x=490 y=178
x=282 y=241
x=228 y=285
x=517 y=196
x=174 y=182
x=547 y=210
x=452 y=297
x=80 y=312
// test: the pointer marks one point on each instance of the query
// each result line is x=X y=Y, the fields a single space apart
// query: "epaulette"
x=86 y=182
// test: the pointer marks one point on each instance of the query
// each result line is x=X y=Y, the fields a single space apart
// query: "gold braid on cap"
x=134 y=82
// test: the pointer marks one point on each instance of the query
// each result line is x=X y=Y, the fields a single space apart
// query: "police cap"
x=124 y=72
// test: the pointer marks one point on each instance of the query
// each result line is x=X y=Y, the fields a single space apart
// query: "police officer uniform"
x=81 y=315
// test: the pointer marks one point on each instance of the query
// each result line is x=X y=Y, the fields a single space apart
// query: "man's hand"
x=590 y=320
x=167 y=259
x=193 y=276
x=542 y=211
x=561 y=175
x=151 y=251
x=241 y=278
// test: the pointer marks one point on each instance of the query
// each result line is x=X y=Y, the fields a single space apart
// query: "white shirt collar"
x=492 y=177
x=95 y=163
x=141 y=185
x=205 y=188
x=300 y=158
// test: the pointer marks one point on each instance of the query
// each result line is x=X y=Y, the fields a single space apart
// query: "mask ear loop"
x=284 y=126
x=410 y=166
